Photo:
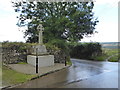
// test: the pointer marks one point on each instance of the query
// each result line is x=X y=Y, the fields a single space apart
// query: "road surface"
x=82 y=74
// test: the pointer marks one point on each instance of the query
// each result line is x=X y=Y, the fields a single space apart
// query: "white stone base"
x=43 y=61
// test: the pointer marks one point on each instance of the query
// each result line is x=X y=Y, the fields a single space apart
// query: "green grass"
x=22 y=63
x=10 y=77
x=110 y=52
x=114 y=59
x=69 y=62
x=100 y=58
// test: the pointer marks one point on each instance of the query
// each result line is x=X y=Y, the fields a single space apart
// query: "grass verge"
x=69 y=62
x=21 y=63
x=100 y=58
x=11 y=77
x=114 y=59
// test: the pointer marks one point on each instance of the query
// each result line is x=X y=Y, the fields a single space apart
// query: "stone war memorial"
x=39 y=51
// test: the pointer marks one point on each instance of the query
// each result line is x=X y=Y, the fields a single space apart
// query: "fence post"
x=65 y=61
x=36 y=60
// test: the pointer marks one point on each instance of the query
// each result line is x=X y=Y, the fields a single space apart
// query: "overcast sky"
x=105 y=10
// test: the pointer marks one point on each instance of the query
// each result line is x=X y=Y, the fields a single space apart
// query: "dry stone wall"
x=17 y=52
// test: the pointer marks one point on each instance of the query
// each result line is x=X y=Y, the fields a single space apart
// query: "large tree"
x=68 y=21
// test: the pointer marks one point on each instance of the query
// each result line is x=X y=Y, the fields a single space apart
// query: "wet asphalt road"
x=82 y=74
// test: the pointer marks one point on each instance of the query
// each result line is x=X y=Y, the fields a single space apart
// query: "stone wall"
x=59 y=55
x=10 y=55
x=14 y=52
x=17 y=52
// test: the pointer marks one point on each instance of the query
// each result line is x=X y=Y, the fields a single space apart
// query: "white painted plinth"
x=43 y=61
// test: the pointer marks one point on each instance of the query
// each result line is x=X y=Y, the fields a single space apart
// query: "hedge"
x=85 y=50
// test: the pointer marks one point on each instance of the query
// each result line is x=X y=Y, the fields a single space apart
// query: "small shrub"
x=113 y=59
x=99 y=58
x=59 y=55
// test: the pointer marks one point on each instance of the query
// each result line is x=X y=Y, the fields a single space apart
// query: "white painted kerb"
x=46 y=60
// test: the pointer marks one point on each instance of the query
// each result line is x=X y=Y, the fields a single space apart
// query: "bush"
x=53 y=50
x=61 y=44
x=99 y=58
x=114 y=59
x=59 y=49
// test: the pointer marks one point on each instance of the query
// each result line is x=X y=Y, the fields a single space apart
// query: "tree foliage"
x=68 y=21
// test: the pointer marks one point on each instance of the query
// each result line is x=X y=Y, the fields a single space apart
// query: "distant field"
x=112 y=54
x=111 y=45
